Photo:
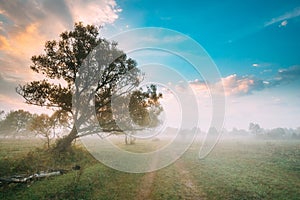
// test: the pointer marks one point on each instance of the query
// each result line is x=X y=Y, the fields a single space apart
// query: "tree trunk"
x=129 y=139
x=48 y=143
x=64 y=143
x=126 y=139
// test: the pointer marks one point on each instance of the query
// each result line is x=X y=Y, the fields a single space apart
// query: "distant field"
x=236 y=169
x=13 y=147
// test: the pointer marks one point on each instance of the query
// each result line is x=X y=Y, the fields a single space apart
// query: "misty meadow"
x=142 y=100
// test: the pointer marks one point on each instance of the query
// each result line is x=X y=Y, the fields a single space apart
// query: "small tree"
x=43 y=126
x=255 y=129
x=101 y=65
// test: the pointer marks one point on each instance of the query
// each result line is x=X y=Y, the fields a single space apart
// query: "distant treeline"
x=22 y=123
x=259 y=132
x=254 y=131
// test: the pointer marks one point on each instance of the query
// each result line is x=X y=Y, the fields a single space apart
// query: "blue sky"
x=228 y=30
x=255 y=45
x=250 y=39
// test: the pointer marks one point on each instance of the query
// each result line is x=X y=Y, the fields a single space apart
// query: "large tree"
x=81 y=61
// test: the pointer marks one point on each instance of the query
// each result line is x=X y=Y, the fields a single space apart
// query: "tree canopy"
x=102 y=68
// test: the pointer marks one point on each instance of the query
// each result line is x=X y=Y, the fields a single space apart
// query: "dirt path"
x=190 y=189
x=145 y=189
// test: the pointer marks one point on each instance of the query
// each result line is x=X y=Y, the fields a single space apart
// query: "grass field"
x=236 y=169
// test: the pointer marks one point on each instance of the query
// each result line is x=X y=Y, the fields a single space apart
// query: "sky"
x=254 y=45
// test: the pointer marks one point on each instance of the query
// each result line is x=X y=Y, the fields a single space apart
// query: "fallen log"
x=39 y=175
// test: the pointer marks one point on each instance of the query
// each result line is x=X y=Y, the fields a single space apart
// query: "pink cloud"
x=234 y=85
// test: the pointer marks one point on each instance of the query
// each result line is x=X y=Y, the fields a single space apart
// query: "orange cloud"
x=4 y=43
x=17 y=49
x=26 y=25
x=34 y=22
x=23 y=44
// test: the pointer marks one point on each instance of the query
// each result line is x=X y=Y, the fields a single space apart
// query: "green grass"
x=249 y=170
x=14 y=147
x=236 y=169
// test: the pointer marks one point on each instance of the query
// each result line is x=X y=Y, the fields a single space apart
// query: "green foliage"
x=16 y=123
x=144 y=107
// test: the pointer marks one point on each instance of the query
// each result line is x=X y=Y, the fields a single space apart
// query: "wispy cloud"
x=94 y=11
x=283 y=23
x=287 y=75
x=244 y=110
x=235 y=85
x=283 y=18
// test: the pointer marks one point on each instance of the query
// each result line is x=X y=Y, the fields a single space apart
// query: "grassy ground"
x=236 y=169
